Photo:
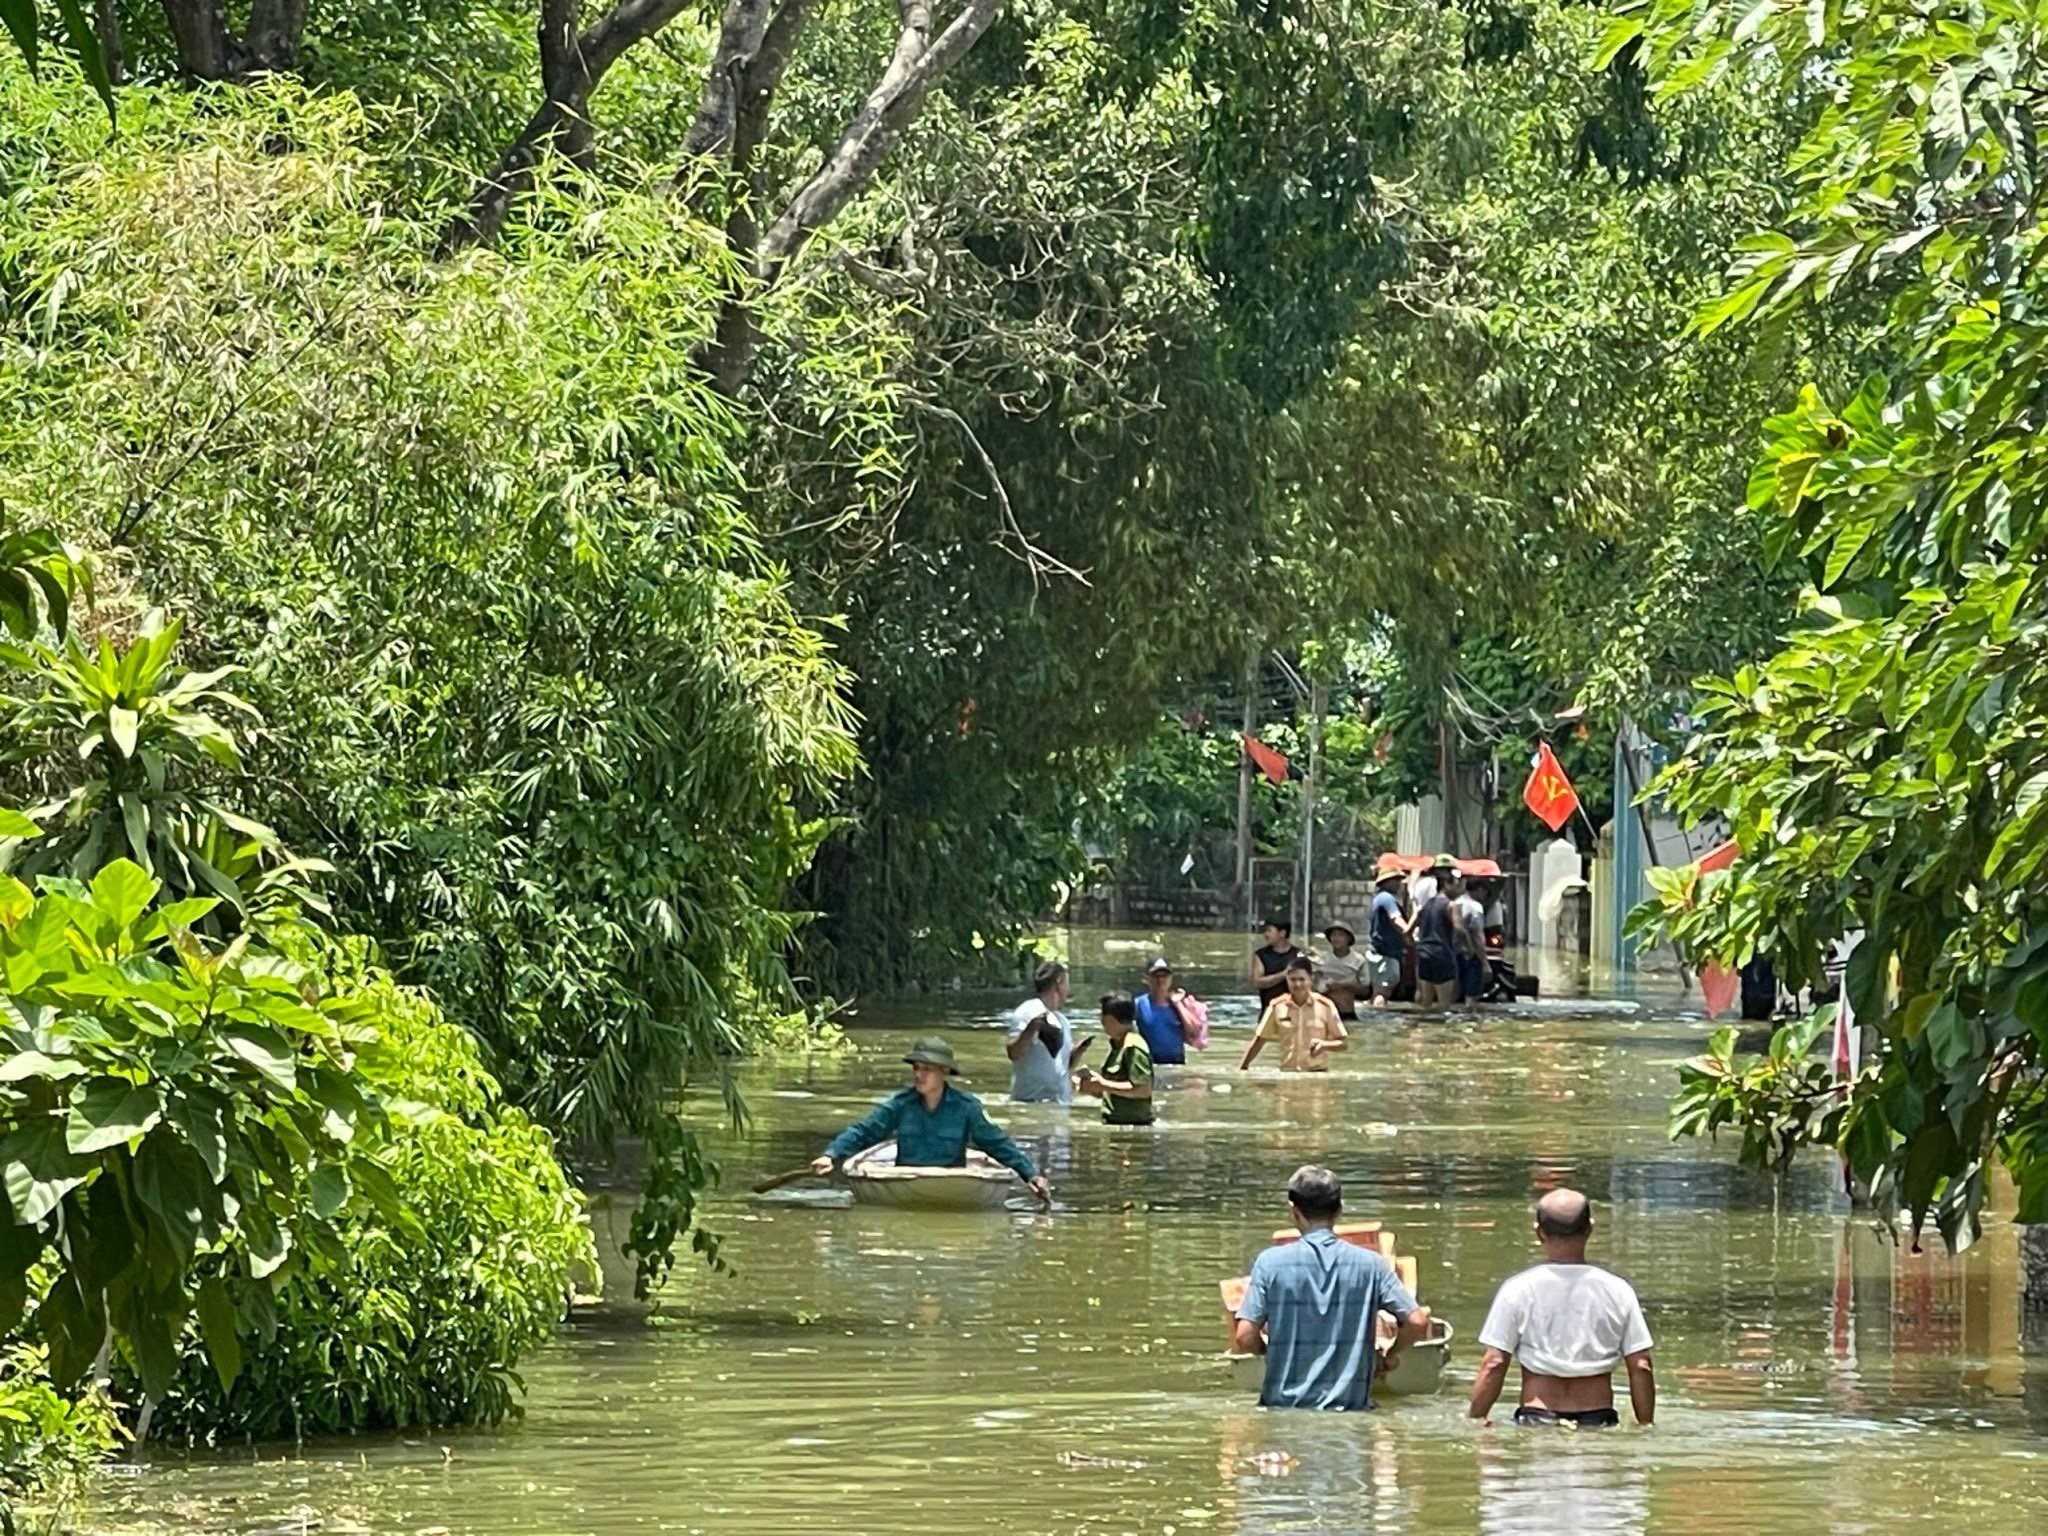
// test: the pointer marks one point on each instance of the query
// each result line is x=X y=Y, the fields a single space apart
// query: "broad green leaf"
x=27 y=1064
x=122 y=891
x=329 y=1187
x=108 y=1112
x=204 y=1129
x=14 y=824
x=123 y=726
x=39 y=1169
x=219 y=1329
x=265 y=1050
x=86 y=48
x=20 y=16
x=16 y=902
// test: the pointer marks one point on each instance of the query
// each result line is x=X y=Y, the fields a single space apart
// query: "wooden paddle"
x=788 y=1176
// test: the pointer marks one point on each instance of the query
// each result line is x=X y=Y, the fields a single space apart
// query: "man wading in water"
x=1040 y=1046
x=1312 y=1307
x=933 y=1123
x=1570 y=1324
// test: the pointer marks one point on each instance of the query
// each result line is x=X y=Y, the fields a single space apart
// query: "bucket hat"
x=932 y=1052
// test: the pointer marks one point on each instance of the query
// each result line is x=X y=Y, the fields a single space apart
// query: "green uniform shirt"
x=1129 y=1062
x=932 y=1138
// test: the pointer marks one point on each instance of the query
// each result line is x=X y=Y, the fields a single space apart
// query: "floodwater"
x=867 y=1370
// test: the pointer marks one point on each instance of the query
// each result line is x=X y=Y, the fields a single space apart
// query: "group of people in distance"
x=1434 y=941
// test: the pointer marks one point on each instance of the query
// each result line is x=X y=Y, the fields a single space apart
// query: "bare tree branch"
x=918 y=64
x=569 y=75
x=1036 y=560
x=739 y=40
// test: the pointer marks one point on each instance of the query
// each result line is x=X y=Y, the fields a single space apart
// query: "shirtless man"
x=1569 y=1324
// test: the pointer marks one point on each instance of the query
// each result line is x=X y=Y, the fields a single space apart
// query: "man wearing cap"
x=1159 y=1020
x=1387 y=937
x=1431 y=881
x=1304 y=1022
x=933 y=1123
x=1341 y=973
x=1312 y=1307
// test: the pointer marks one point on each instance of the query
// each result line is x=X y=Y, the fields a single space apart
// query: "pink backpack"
x=1194 y=1020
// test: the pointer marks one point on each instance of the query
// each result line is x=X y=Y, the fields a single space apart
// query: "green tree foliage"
x=48 y=1439
x=473 y=533
x=1884 y=769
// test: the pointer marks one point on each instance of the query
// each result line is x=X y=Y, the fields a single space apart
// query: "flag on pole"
x=1272 y=764
x=1549 y=794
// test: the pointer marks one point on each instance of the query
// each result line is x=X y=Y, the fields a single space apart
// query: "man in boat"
x=1341 y=973
x=932 y=1123
x=1039 y=1044
x=1125 y=1082
x=1569 y=1324
x=1312 y=1307
x=1303 y=1021
x=1159 y=1019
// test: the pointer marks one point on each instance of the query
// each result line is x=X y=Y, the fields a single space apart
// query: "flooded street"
x=870 y=1370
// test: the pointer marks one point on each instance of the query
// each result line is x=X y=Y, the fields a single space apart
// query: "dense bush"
x=48 y=1438
x=397 y=1330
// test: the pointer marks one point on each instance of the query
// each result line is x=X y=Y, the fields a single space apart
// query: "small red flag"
x=1266 y=760
x=1549 y=794
x=1722 y=857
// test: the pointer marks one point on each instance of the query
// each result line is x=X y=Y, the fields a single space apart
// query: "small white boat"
x=875 y=1179
x=1418 y=1372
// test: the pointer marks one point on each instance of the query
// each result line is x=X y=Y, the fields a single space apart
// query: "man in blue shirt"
x=1386 y=938
x=1158 y=1020
x=1311 y=1307
x=933 y=1123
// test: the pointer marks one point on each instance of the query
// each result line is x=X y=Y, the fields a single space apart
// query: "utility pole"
x=1244 y=786
x=1317 y=700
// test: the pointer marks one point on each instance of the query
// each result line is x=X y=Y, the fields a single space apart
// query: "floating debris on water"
x=1084 y=1460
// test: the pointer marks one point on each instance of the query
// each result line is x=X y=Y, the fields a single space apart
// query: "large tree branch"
x=917 y=64
x=739 y=41
x=572 y=64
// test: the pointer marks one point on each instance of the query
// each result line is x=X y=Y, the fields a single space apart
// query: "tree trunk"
x=107 y=17
x=2034 y=1267
x=200 y=29
x=276 y=29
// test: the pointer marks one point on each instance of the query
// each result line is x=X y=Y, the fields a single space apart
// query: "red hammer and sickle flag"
x=1266 y=760
x=1549 y=794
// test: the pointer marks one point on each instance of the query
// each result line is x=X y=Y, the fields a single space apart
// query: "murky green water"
x=876 y=1371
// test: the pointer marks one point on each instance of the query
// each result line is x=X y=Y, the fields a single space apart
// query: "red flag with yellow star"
x=1549 y=794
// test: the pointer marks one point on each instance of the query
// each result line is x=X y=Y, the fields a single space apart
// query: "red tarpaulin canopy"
x=1416 y=863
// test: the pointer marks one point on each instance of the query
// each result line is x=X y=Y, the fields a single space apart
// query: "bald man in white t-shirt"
x=1568 y=1324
